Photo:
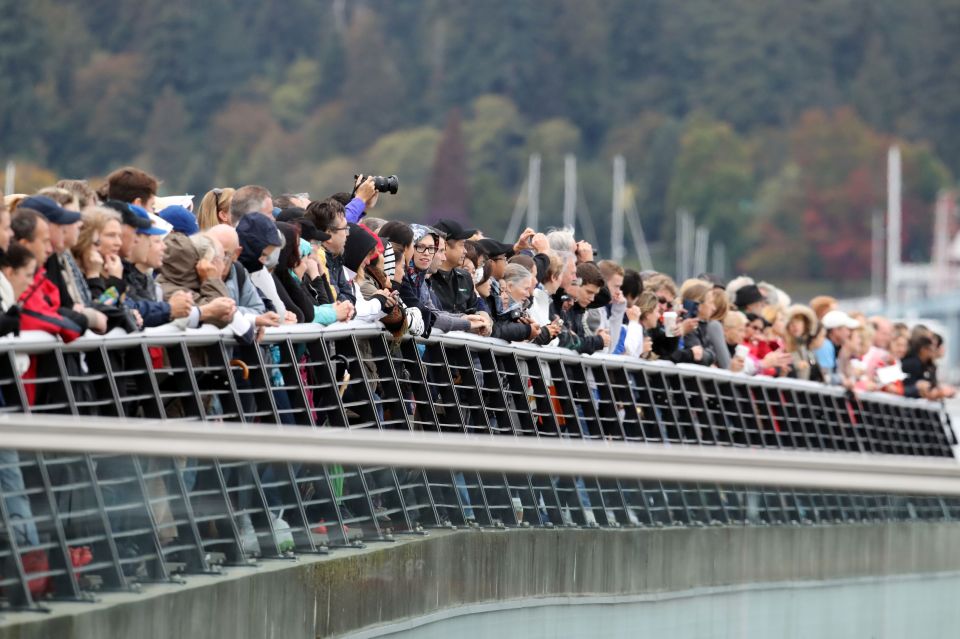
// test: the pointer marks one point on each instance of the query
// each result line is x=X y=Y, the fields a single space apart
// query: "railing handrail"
x=752 y=467
x=35 y=342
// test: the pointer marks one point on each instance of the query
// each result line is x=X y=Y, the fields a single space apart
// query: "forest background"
x=768 y=121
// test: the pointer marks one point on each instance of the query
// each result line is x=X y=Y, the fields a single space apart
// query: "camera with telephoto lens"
x=389 y=184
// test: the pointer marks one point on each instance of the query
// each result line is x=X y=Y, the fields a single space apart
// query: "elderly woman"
x=514 y=324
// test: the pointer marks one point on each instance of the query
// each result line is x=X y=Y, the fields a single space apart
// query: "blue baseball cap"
x=141 y=212
x=50 y=210
x=182 y=220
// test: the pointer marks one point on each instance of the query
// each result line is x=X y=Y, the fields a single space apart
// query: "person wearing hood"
x=415 y=290
x=260 y=244
x=193 y=264
x=801 y=330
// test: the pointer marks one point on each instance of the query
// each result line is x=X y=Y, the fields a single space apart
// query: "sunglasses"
x=216 y=198
x=664 y=301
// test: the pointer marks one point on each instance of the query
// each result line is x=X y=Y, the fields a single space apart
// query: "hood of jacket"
x=256 y=232
x=799 y=310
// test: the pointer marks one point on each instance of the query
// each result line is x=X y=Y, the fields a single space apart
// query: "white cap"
x=186 y=201
x=838 y=319
x=160 y=223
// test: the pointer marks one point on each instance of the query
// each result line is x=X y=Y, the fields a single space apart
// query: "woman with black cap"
x=292 y=278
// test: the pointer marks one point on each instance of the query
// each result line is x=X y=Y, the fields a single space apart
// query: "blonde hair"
x=214 y=202
x=95 y=218
x=720 y=303
x=734 y=319
x=84 y=193
x=609 y=268
x=62 y=197
x=647 y=303
x=695 y=290
x=658 y=282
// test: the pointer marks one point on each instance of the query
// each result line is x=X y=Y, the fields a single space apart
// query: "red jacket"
x=40 y=311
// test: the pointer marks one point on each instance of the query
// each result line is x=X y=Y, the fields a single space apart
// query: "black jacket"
x=339 y=279
x=454 y=291
x=917 y=371
x=574 y=334
x=697 y=338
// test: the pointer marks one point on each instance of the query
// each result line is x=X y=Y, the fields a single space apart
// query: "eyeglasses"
x=339 y=228
x=423 y=249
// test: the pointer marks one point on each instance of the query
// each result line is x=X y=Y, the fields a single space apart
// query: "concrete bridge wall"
x=373 y=589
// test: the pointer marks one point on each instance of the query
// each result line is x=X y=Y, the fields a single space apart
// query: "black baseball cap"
x=128 y=216
x=50 y=210
x=308 y=230
x=493 y=248
x=453 y=230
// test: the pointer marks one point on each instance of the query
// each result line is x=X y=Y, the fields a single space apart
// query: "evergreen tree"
x=448 y=195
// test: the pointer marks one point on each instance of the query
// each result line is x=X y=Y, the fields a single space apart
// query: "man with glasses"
x=330 y=217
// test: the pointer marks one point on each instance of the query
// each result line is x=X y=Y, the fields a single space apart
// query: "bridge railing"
x=81 y=520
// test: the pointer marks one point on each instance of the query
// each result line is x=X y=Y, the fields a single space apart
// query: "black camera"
x=513 y=314
x=389 y=184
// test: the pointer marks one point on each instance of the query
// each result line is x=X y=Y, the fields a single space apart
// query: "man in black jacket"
x=583 y=291
x=452 y=286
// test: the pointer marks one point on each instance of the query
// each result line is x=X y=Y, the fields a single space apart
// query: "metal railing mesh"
x=75 y=524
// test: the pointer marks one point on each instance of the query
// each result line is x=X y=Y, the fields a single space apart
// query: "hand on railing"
x=180 y=304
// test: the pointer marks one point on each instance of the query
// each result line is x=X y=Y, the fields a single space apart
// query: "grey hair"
x=247 y=199
x=516 y=274
x=562 y=240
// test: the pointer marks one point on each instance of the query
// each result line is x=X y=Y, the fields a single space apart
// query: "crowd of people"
x=76 y=259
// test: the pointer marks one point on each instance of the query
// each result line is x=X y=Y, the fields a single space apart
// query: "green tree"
x=449 y=191
x=713 y=180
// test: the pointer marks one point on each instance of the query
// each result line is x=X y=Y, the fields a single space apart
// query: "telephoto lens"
x=389 y=184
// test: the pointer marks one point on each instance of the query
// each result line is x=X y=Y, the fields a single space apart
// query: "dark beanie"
x=359 y=244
